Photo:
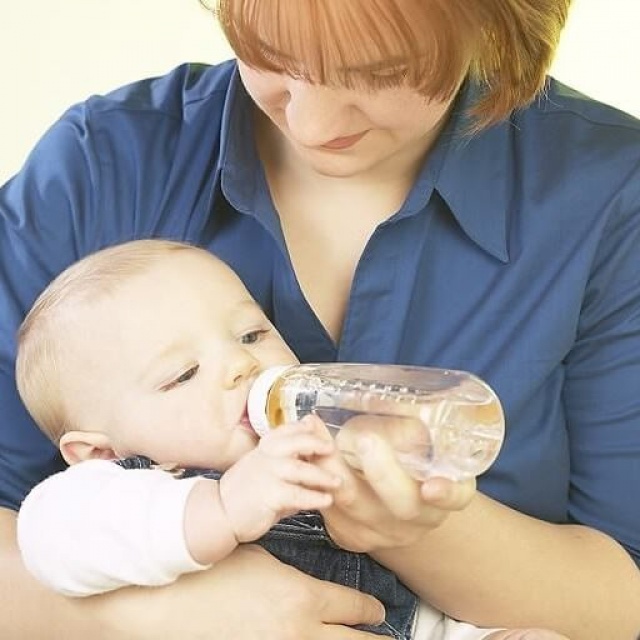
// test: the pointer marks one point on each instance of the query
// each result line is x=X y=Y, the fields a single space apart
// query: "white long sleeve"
x=96 y=527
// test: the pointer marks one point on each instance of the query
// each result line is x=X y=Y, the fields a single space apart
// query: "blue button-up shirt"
x=516 y=256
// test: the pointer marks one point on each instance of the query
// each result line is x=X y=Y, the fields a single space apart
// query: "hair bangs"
x=506 y=46
x=368 y=44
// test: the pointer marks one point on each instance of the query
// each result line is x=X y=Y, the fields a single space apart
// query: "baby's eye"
x=181 y=379
x=251 y=337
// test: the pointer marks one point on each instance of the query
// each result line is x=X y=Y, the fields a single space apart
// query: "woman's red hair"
x=505 y=45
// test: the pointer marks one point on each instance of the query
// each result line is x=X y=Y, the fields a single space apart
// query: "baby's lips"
x=246 y=422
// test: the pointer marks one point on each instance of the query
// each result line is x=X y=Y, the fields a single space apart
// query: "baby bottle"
x=438 y=422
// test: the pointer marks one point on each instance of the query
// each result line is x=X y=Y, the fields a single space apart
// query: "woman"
x=378 y=175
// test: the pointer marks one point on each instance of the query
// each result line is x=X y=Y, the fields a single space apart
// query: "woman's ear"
x=77 y=446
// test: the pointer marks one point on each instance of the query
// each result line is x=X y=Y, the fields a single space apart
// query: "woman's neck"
x=328 y=220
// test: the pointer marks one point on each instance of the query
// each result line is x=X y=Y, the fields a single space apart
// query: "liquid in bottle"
x=438 y=422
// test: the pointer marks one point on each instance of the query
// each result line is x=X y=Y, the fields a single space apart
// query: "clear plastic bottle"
x=439 y=422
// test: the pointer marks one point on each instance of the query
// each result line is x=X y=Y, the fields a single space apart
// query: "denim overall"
x=303 y=542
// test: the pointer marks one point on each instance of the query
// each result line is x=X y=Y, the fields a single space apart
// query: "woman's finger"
x=399 y=492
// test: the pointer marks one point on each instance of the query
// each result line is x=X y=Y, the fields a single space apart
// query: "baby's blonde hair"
x=48 y=327
x=506 y=45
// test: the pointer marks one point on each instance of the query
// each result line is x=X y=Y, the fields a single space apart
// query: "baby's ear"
x=77 y=446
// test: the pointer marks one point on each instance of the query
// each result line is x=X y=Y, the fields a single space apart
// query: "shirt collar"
x=476 y=177
x=243 y=182
x=238 y=155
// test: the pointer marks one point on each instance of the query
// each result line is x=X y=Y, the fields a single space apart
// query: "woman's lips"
x=337 y=144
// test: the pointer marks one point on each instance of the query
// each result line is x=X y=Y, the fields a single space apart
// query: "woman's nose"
x=241 y=367
x=316 y=114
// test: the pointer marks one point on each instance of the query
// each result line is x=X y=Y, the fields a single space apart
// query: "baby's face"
x=168 y=361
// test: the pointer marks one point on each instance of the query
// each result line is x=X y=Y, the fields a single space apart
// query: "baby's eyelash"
x=251 y=337
x=185 y=376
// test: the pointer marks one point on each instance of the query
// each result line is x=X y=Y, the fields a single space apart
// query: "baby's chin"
x=219 y=457
x=244 y=440
x=247 y=437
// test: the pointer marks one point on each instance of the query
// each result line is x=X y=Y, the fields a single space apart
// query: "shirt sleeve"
x=602 y=385
x=97 y=527
x=47 y=215
x=134 y=163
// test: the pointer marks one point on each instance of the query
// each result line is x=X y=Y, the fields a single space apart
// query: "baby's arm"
x=276 y=479
x=97 y=527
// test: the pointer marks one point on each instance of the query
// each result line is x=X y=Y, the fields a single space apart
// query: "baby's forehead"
x=194 y=279
x=189 y=276
x=249 y=306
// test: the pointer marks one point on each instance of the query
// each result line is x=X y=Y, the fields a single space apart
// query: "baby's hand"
x=278 y=478
x=525 y=634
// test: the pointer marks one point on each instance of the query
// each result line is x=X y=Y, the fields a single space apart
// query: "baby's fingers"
x=298 y=439
x=305 y=474
x=294 y=497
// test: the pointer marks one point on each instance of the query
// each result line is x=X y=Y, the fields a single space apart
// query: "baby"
x=137 y=361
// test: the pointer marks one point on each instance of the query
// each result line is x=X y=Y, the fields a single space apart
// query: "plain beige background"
x=56 y=52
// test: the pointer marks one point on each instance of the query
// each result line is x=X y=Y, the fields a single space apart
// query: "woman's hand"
x=248 y=596
x=379 y=504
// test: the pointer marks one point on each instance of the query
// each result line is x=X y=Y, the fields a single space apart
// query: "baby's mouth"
x=244 y=422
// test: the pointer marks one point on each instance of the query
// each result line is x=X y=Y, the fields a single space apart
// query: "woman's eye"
x=251 y=337
x=182 y=378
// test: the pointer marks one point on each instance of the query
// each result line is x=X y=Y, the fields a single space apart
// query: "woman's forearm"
x=493 y=566
x=189 y=608
x=29 y=610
